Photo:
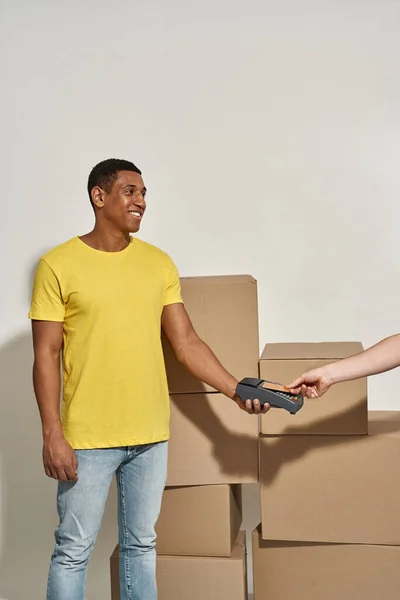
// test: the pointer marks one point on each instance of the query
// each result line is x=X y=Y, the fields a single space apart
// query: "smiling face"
x=123 y=205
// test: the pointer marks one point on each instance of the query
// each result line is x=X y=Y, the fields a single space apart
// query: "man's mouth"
x=136 y=213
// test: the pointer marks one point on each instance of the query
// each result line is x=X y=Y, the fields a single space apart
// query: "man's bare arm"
x=198 y=358
x=59 y=459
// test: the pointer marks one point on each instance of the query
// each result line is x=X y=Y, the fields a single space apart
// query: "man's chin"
x=134 y=228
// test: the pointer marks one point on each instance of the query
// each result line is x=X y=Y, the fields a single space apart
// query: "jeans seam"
x=57 y=541
x=57 y=545
x=125 y=537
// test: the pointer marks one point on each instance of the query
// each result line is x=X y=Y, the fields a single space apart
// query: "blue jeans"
x=141 y=476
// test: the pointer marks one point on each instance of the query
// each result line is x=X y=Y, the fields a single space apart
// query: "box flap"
x=310 y=350
x=239 y=547
x=218 y=279
x=238 y=553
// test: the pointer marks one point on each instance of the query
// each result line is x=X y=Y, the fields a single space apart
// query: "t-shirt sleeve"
x=173 y=285
x=47 y=302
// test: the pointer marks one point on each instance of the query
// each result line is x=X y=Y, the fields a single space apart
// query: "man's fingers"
x=249 y=407
x=53 y=472
x=240 y=403
x=62 y=475
x=71 y=473
x=252 y=408
x=75 y=463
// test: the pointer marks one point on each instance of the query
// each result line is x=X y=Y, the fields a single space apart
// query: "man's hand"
x=312 y=384
x=253 y=408
x=59 y=458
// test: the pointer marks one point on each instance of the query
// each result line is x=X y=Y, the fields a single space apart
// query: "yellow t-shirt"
x=115 y=387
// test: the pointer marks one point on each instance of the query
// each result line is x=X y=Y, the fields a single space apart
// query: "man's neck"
x=106 y=241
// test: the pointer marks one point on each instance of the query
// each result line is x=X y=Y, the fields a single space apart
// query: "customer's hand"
x=59 y=458
x=312 y=384
x=253 y=408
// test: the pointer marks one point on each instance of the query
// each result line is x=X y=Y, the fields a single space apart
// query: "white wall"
x=269 y=137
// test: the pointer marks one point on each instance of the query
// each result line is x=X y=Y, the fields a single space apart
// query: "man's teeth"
x=137 y=214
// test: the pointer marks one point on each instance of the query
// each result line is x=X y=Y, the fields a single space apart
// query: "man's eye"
x=130 y=192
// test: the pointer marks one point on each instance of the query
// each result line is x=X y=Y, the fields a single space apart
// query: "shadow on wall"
x=27 y=497
x=27 y=516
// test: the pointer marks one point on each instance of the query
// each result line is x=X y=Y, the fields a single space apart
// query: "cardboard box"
x=196 y=578
x=199 y=520
x=333 y=488
x=212 y=441
x=341 y=411
x=224 y=313
x=289 y=570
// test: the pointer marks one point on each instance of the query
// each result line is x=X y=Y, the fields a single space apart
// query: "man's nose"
x=140 y=200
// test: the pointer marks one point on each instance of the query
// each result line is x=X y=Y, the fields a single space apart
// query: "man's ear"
x=98 y=196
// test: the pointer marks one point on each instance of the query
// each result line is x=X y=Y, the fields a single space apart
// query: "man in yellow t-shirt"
x=99 y=301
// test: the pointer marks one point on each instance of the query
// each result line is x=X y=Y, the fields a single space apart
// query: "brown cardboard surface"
x=224 y=313
x=289 y=570
x=196 y=578
x=333 y=488
x=341 y=411
x=310 y=350
x=114 y=574
x=212 y=441
x=199 y=520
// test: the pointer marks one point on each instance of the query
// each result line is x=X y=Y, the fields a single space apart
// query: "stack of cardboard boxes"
x=329 y=476
x=213 y=449
x=330 y=479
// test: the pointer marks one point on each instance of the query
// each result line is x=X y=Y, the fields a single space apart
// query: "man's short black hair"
x=105 y=173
